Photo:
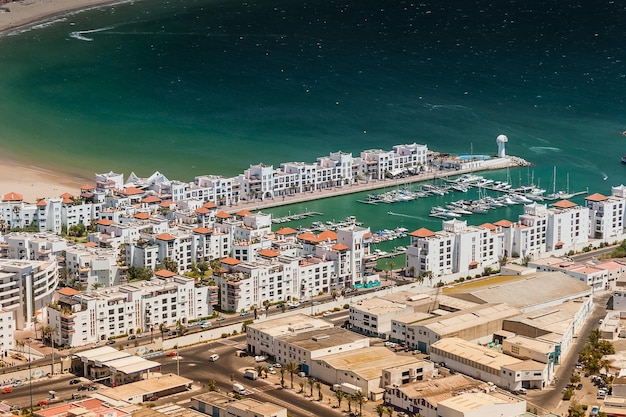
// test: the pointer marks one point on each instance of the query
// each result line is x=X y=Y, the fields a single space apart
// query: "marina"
x=298 y=216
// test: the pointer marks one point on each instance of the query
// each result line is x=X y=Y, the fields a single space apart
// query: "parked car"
x=75 y=381
x=595 y=410
x=244 y=313
x=132 y=337
x=220 y=318
x=579 y=387
x=326 y=314
x=173 y=353
x=110 y=342
x=214 y=357
x=96 y=345
x=7 y=390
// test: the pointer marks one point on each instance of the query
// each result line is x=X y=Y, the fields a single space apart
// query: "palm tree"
x=318 y=386
x=429 y=275
x=35 y=322
x=339 y=395
x=259 y=370
x=311 y=383
x=282 y=377
x=292 y=368
x=211 y=385
x=359 y=398
x=380 y=410
x=389 y=411
x=162 y=328
x=350 y=399
x=302 y=387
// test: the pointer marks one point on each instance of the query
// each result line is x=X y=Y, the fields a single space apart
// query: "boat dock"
x=298 y=216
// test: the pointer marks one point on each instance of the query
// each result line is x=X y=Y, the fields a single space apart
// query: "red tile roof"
x=142 y=216
x=423 y=232
x=209 y=205
x=564 y=204
x=230 y=261
x=308 y=236
x=339 y=247
x=42 y=203
x=164 y=273
x=66 y=195
x=222 y=215
x=151 y=199
x=87 y=187
x=286 y=231
x=166 y=203
x=327 y=235
x=132 y=191
x=13 y=197
x=165 y=236
x=68 y=291
x=243 y=213
x=268 y=253
x=596 y=197
x=203 y=210
x=473 y=263
x=503 y=223
x=489 y=226
x=91 y=244
x=105 y=222
x=202 y=230
x=67 y=201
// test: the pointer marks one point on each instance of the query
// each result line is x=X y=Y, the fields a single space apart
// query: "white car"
x=260 y=358
x=326 y=314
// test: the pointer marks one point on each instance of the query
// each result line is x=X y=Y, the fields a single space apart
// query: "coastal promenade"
x=256 y=205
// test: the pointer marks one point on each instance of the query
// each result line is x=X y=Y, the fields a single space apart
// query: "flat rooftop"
x=473 y=401
x=552 y=319
x=367 y=363
x=322 y=338
x=145 y=387
x=438 y=389
x=475 y=353
x=475 y=316
x=521 y=292
x=290 y=324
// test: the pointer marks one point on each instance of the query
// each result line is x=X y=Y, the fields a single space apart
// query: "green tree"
x=359 y=398
x=380 y=410
x=311 y=384
x=292 y=368
x=170 y=264
x=389 y=411
x=318 y=387
x=339 y=395
x=282 y=376
x=211 y=385
x=301 y=386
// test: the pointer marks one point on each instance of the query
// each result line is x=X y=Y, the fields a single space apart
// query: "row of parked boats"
x=482 y=205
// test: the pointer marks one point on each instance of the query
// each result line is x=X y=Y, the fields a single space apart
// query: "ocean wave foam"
x=80 y=34
x=544 y=149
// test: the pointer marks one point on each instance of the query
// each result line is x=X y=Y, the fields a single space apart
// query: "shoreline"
x=29 y=12
x=33 y=182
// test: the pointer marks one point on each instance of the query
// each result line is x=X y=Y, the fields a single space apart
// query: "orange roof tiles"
x=209 y=205
x=559 y=244
x=327 y=235
x=489 y=226
x=166 y=203
x=91 y=244
x=68 y=291
x=203 y=210
x=165 y=236
x=308 y=236
x=142 y=216
x=564 y=204
x=66 y=195
x=340 y=247
x=286 y=231
x=87 y=187
x=151 y=199
x=230 y=261
x=105 y=222
x=423 y=232
x=503 y=223
x=243 y=213
x=473 y=263
x=268 y=253
x=596 y=197
x=67 y=201
x=13 y=197
x=222 y=215
x=42 y=203
x=164 y=273
x=202 y=230
x=131 y=191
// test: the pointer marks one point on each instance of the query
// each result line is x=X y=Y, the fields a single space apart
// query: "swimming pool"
x=474 y=157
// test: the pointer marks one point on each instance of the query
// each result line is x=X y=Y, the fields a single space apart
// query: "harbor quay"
x=376 y=184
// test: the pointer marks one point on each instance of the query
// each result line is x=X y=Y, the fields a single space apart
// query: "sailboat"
x=559 y=195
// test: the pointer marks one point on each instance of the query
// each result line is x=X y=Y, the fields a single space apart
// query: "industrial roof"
x=148 y=386
x=474 y=401
x=464 y=319
x=322 y=338
x=473 y=352
x=290 y=324
x=438 y=389
x=131 y=365
x=367 y=363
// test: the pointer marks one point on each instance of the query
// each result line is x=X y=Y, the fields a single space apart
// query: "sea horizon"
x=210 y=87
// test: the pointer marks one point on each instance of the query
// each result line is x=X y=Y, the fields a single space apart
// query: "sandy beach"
x=26 y=12
x=33 y=183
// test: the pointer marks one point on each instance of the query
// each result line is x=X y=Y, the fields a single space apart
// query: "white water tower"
x=501 y=140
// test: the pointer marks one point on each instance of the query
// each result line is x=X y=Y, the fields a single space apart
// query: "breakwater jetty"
x=375 y=184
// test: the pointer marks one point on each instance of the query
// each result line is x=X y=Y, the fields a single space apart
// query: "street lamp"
x=30 y=375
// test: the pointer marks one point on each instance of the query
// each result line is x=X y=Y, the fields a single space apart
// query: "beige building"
x=370 y=369
x=219 y=405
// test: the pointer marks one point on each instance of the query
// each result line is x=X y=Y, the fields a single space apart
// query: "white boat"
x=520 y=199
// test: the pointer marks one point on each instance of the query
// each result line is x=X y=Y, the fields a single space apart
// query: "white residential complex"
x=80 y=318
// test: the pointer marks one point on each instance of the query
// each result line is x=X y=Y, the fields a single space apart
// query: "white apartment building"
x=455 y=251
x=7 y=332
x=32 y=246
x=378 y=164
x=27 y=287
x=606 y=215
x=81 y=318
x=94 y=267
x=598 y=275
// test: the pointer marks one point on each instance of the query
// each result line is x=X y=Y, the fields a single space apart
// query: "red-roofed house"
x=12 y=196
x=421 y=233
x=339 y=247
x=268 y=253
x=165 y=236
x=596 y=197
x=165 y=273
x=564 y=204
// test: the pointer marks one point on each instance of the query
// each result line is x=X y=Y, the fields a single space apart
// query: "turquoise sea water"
x=210 y=86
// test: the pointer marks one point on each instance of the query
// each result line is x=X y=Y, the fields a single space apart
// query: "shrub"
x=346 y=306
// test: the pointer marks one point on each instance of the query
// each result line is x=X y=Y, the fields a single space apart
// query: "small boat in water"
x=624 y=159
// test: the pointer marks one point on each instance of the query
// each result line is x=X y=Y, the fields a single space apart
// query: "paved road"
x=550 y=399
